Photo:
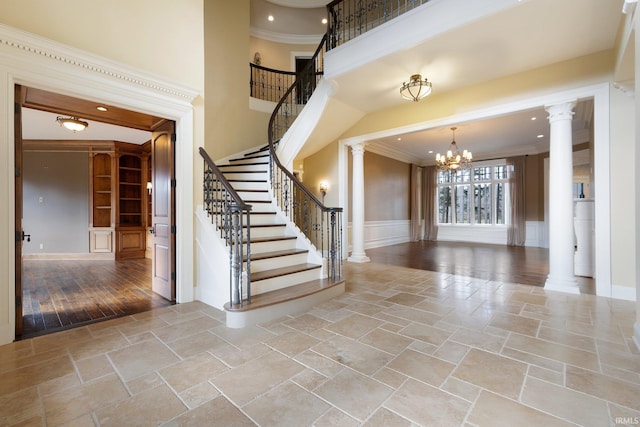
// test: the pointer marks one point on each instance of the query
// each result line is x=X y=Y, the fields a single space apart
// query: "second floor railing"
x=231 y=216
x=350 y=18
x=269 y=84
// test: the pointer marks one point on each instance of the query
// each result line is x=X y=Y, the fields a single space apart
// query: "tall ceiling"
x=529 y=33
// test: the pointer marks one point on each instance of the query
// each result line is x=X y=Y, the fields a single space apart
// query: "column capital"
x=358 y=148
x=560 y=111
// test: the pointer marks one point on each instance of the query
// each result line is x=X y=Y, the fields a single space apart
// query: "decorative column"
x=561 y=234
x=357 y=214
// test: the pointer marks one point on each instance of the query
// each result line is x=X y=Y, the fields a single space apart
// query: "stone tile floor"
x=401 y=347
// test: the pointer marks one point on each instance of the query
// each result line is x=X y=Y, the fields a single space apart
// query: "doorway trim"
x=34 y=61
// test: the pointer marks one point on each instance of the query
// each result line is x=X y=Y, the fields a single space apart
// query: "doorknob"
x=28 y=236
x=152 y=230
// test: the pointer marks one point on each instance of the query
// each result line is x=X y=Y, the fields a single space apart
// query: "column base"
x=569 y=286
x=359 y=258
x=636 y=334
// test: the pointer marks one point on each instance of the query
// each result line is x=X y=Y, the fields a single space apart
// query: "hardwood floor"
x=62 y=294
x=526 y=265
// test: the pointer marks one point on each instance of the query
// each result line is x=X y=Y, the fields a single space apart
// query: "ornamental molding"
x=30 y=46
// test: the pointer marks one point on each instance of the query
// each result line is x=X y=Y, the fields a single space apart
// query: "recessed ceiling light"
x=533 y=118
x=430 y=151
x=101 y=108
x=399 y=139
x=540 y=136
x=270 y=18
x=324 y=21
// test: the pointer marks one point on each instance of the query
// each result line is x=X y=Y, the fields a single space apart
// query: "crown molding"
x=312 y=39
x=21 y=44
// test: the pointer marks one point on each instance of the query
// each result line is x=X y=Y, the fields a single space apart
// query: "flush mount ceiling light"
x=416 y=88
x=72 y=123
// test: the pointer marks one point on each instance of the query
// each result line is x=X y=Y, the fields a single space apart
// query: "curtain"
x=429 y=189
x=415 y=231
x=516 y=235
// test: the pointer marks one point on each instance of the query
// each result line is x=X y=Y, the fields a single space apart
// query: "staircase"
x=286 y=271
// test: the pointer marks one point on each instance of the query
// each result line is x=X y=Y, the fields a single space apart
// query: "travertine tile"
x=412 y=364
x=144 y=383
x=183 y=329
x=306 y=323
x=287 y=404
x=460 y=388
x=94 y=367
x=334 y=417
x=319 y=363
x=554 y=351
x=565 y=403
x=353 y=354
x=513 y=323
x=385 y=418
x=426 y=333
x=194 y=370
x=199 y=394
x=404 y=298
x=599 y=385
x=70 y=404
x=390 y=377
x=140 y=359
x=354 y=326
x=97 y=346
x=493 y=410
x=354 y=393
x=291 y=343
x=197 y=343
x=151 y=407
x=20 y=407
x=416 y=401
x=566 y=338
x=496 y=373
x=218 y=409
x=32 y=375
x=386 y=341
x=411 y=314
x=244 y=383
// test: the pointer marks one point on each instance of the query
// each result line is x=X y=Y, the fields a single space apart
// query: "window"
x=474 y=196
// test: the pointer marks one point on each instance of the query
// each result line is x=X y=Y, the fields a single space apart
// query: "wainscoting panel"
x=383 y=233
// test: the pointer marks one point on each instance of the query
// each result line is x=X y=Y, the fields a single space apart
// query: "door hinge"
x=18 y=236
x=173 y=229
x=17 y=172
x=16 y=107
x=173 y=138
x=173 y=275
x=173 y=183
x=18 y=300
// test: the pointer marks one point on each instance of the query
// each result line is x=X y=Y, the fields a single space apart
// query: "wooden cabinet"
x=119 y=202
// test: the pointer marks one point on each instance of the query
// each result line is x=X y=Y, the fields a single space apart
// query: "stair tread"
x=229 y=172
x=283 y=271
x=270 y=239
x=264 y=225
x=239 y=159
x=243 y=164
x=276 y=254
x=285 y=294
x=247 y=180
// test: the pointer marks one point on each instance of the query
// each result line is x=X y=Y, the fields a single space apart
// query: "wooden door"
x=18 y=205
x=163 y=207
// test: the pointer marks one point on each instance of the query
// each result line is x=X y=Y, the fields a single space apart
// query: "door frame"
x=33 y=61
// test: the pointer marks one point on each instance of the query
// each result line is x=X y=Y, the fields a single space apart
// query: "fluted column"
x=561 y=234
x=357 y=214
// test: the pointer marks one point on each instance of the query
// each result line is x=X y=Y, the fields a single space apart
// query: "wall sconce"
x=149 y=187
x=323 y=189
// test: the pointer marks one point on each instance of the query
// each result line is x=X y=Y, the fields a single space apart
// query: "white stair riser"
x=277 y=262
x=259 y=207
x=263 y=219
x=248 y=176
x=239 y=186
x=262 y=286
x=252 y=160
x=260 y=232
x=277 y=245
x=254 y=195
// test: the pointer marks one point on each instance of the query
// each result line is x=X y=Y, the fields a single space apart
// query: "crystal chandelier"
x=453 y=160
x=416 y=88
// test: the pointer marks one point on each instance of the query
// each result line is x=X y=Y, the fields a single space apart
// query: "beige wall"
x=386 y=188
x=164 y=37
x=230 y=126
x=279 y=56
x=534 y=188
x=322 y=166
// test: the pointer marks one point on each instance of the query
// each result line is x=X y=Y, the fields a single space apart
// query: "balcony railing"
x=269 y=84
x=350 y=18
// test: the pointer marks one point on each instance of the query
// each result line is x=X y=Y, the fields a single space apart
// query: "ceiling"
x=529 y=34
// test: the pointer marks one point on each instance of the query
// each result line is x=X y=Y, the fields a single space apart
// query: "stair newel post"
x=332 y=245
x=235 y=253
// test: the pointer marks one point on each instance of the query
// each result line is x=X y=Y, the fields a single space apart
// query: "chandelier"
x=72 y=123
x=416 y=88
x=453 y=160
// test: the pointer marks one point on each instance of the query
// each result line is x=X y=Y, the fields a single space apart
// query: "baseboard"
x=623 y=292
x=70 y=256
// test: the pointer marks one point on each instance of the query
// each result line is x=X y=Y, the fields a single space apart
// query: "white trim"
x=491 y=234
x=623 y=292
x=313 y=39
x=384 y=233
x=537 y=235
x=636 y=334
x=600 y=94
x=33 y=61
